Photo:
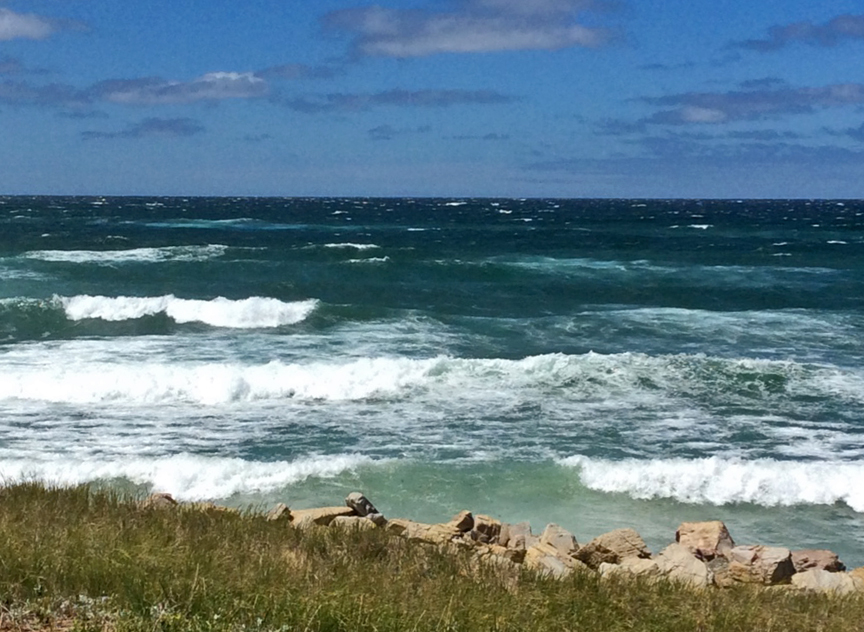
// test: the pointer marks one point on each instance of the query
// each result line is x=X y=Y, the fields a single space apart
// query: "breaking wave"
x=723 y=481
x=135 y=255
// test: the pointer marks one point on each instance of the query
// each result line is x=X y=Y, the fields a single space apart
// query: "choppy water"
x=594 y=363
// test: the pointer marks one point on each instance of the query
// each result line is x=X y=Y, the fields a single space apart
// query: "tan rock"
x=613 y=547
x=768 y=565
x=677 y=563
x=836 y=583
x=719 y=569
x=500 y=555
x=486 y=529
x=158 y=500
x=559 y=539
x=858 y=572
x=631 y=567
x=360 y=504
x=821 y=559
x=517 y=536
x=547 y=561
x=349 y=523
x=279 y=512
x=463 y=521
x=320 y=516
x=706 y=540
x=421 y=532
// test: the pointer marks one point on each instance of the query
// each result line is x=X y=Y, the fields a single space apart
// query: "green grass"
x=92 y=560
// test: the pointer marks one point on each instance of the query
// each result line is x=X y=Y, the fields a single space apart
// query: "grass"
x=88 y=559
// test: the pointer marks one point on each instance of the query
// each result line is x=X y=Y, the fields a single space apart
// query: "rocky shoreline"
x=703 y=555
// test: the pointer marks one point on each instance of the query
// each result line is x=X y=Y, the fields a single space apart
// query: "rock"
x=719 y=569
x=769 y=565
x=279 y=512
x=559 y=539
x=377 y=519
x=421 y=532
x=320 y=516
x=358 y=523
x=631 y=567
x=486 y=529
x=546 y=560
x=360 y=504
x=677 y=563
x=463 y=521
x=612 y=547
x=706 y=540
x=819 y=580
x=858 y=572
x=820 y=559
x=500 y=555
x=516 y=536
x=158 y=500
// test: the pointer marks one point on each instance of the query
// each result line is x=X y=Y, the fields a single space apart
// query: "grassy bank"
x=91 y=559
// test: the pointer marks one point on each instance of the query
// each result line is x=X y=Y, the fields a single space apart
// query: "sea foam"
x=250 y=313
x=185 y=476
x=722 y=481
x=135 y=255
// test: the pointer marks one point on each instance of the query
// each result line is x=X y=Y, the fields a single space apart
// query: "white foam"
x=370 y=260
x=184 y=476
x=250 y=313
x=354 y=246
x=721 y=481
x=700 y=226
x=135 y=255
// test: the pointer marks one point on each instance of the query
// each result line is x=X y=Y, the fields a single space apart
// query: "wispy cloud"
x=166 y=128
x=831 y=33
x=723 y=107
x=214 y=86
x=491 y=136
x=393 y=98
x=24 y=26
x=54 y=94
x=474 y=26
x=296 y=72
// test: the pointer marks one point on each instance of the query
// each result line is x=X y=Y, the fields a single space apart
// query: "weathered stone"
x=378 y=519
x=320 y=516
x=463 y=521
x=559 y=539
x=679 y=564
x=719 y=569
x=158 y=500
x=279 y=512
x=759 y=564
x=510 y=532
x=612 y=547
x=360 y=504
x=486 y=529
x=546 y=560
x=858 y=572
x=823 y=581
x=422 y=532
x=358 y=523
x=821 y=559
x=500 y=554
x=631 y=567
x=706 y=540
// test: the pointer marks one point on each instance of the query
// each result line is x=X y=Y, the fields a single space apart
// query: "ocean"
x=594 y=363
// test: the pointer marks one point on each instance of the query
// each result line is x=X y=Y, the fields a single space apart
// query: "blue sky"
x=540 y=98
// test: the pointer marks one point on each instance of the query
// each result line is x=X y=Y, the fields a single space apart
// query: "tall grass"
x=92 y=559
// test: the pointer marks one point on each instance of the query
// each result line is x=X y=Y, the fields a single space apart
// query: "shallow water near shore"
x=596 y=363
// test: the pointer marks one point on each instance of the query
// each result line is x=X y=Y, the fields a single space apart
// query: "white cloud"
x=475 y=26
x=214 y=86
x=23 y=26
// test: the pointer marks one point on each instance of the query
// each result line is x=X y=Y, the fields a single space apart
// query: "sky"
x=453 y=98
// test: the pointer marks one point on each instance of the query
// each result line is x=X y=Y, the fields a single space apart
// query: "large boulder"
x=463 y=521
x=353 y=523
x=818 y=580
x=559 y=539
x=320 y=516
x=360 y=504
x=279 y=512
x=516 y=536
x=768 y=565
x=486 y=529
x=546 y=560
x=631 y=567
x=706 y=540
x=820 y=559
x=440 y=534
x=677 y=563
x=612 y=547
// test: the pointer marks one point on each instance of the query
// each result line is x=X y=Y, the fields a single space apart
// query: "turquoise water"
x=597 y=363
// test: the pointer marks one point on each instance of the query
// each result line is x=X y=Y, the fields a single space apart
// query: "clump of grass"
x=92 y=559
